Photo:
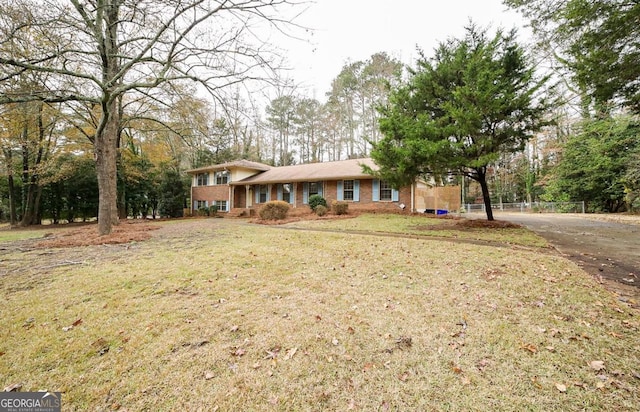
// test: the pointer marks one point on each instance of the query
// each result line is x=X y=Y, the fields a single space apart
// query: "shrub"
x=340 y=208
x=274 y=210
x=321 y=210
x=203 y=211
x=315 y=200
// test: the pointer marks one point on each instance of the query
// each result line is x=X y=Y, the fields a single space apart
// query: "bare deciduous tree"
x=96 y=51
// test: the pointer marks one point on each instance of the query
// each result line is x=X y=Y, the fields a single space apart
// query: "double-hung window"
x=285 y=192
x=314 y=188
x=263 y=193
x=383 y=191
x=347 y=190
x=202 y=179
x=309 y=189
x=222 y=178
x=221 y=205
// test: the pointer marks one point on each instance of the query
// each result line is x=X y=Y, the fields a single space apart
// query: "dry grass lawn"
x=218 y=314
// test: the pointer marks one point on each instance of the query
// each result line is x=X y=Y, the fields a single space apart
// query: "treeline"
x=589 y=151
x=49 y=167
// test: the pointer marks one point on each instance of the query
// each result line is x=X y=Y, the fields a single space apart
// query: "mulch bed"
x=87 y=235
x=469 y=224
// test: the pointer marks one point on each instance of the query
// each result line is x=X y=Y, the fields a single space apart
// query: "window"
x=314 y=188
x=347 y=190
x=199 y=204
x=262 y=194
x=222 y=178
x=221 y=205
x=309 y=189
x=385 y=191
x=284 y=192
x=202 y=179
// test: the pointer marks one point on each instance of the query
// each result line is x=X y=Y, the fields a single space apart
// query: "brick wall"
x=210 y=193
x=330 y=193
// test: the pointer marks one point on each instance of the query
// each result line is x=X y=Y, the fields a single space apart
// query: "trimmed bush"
x=203 y=211
x=315 y=200
x=321 y=210
x=274 y=210
x=340 y=208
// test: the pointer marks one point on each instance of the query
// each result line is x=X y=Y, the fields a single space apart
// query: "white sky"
x=353 y=30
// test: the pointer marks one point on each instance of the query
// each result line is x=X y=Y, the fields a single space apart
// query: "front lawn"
x=425 y=225
x=217 y=314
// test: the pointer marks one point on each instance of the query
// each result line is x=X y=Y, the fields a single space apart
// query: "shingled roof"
x=312 y=172
x=243 y=164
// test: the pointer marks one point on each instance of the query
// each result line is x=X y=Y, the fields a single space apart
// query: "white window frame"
x=202 y=179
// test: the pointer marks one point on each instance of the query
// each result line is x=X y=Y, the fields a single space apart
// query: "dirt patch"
x=87 y=235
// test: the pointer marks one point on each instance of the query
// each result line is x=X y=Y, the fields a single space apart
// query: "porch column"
x=294 y=193
x=248 y=197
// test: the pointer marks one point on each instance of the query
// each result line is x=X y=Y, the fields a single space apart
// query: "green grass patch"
x=427 y=226
x=216 y=314
x=12 y=235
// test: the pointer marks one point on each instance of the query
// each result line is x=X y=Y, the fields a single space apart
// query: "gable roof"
x=236 y=164
x=312 y=172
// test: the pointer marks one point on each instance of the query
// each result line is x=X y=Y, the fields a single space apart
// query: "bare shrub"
x=340 y=208
x=274 y=210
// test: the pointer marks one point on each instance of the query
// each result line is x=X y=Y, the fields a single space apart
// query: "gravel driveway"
x=607 y=249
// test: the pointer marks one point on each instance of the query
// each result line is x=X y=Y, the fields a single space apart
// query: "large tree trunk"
x=29 y=206
x=106 y=167
x=13 y=218
x=486 y=197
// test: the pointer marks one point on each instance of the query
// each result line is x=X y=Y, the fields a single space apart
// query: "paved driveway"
x=607 y=249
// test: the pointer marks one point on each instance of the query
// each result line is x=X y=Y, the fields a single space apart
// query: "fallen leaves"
x=101 y=346
x=272 y=353
x=529 y=347
x=561 y=387
x=597 y=365
x=15 y=387
x=29 y=323
x=290 y=354
x=482 y=364
x=368 y=366
x=403 y=342
x=239 y=352
x=77 y=322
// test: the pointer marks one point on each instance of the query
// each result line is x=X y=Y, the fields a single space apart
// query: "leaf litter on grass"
x=318 y=308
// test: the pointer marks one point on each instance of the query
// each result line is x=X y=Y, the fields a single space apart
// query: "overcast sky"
x=353 y=30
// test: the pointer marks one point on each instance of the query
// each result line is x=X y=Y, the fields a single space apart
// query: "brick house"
x=244 y=184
